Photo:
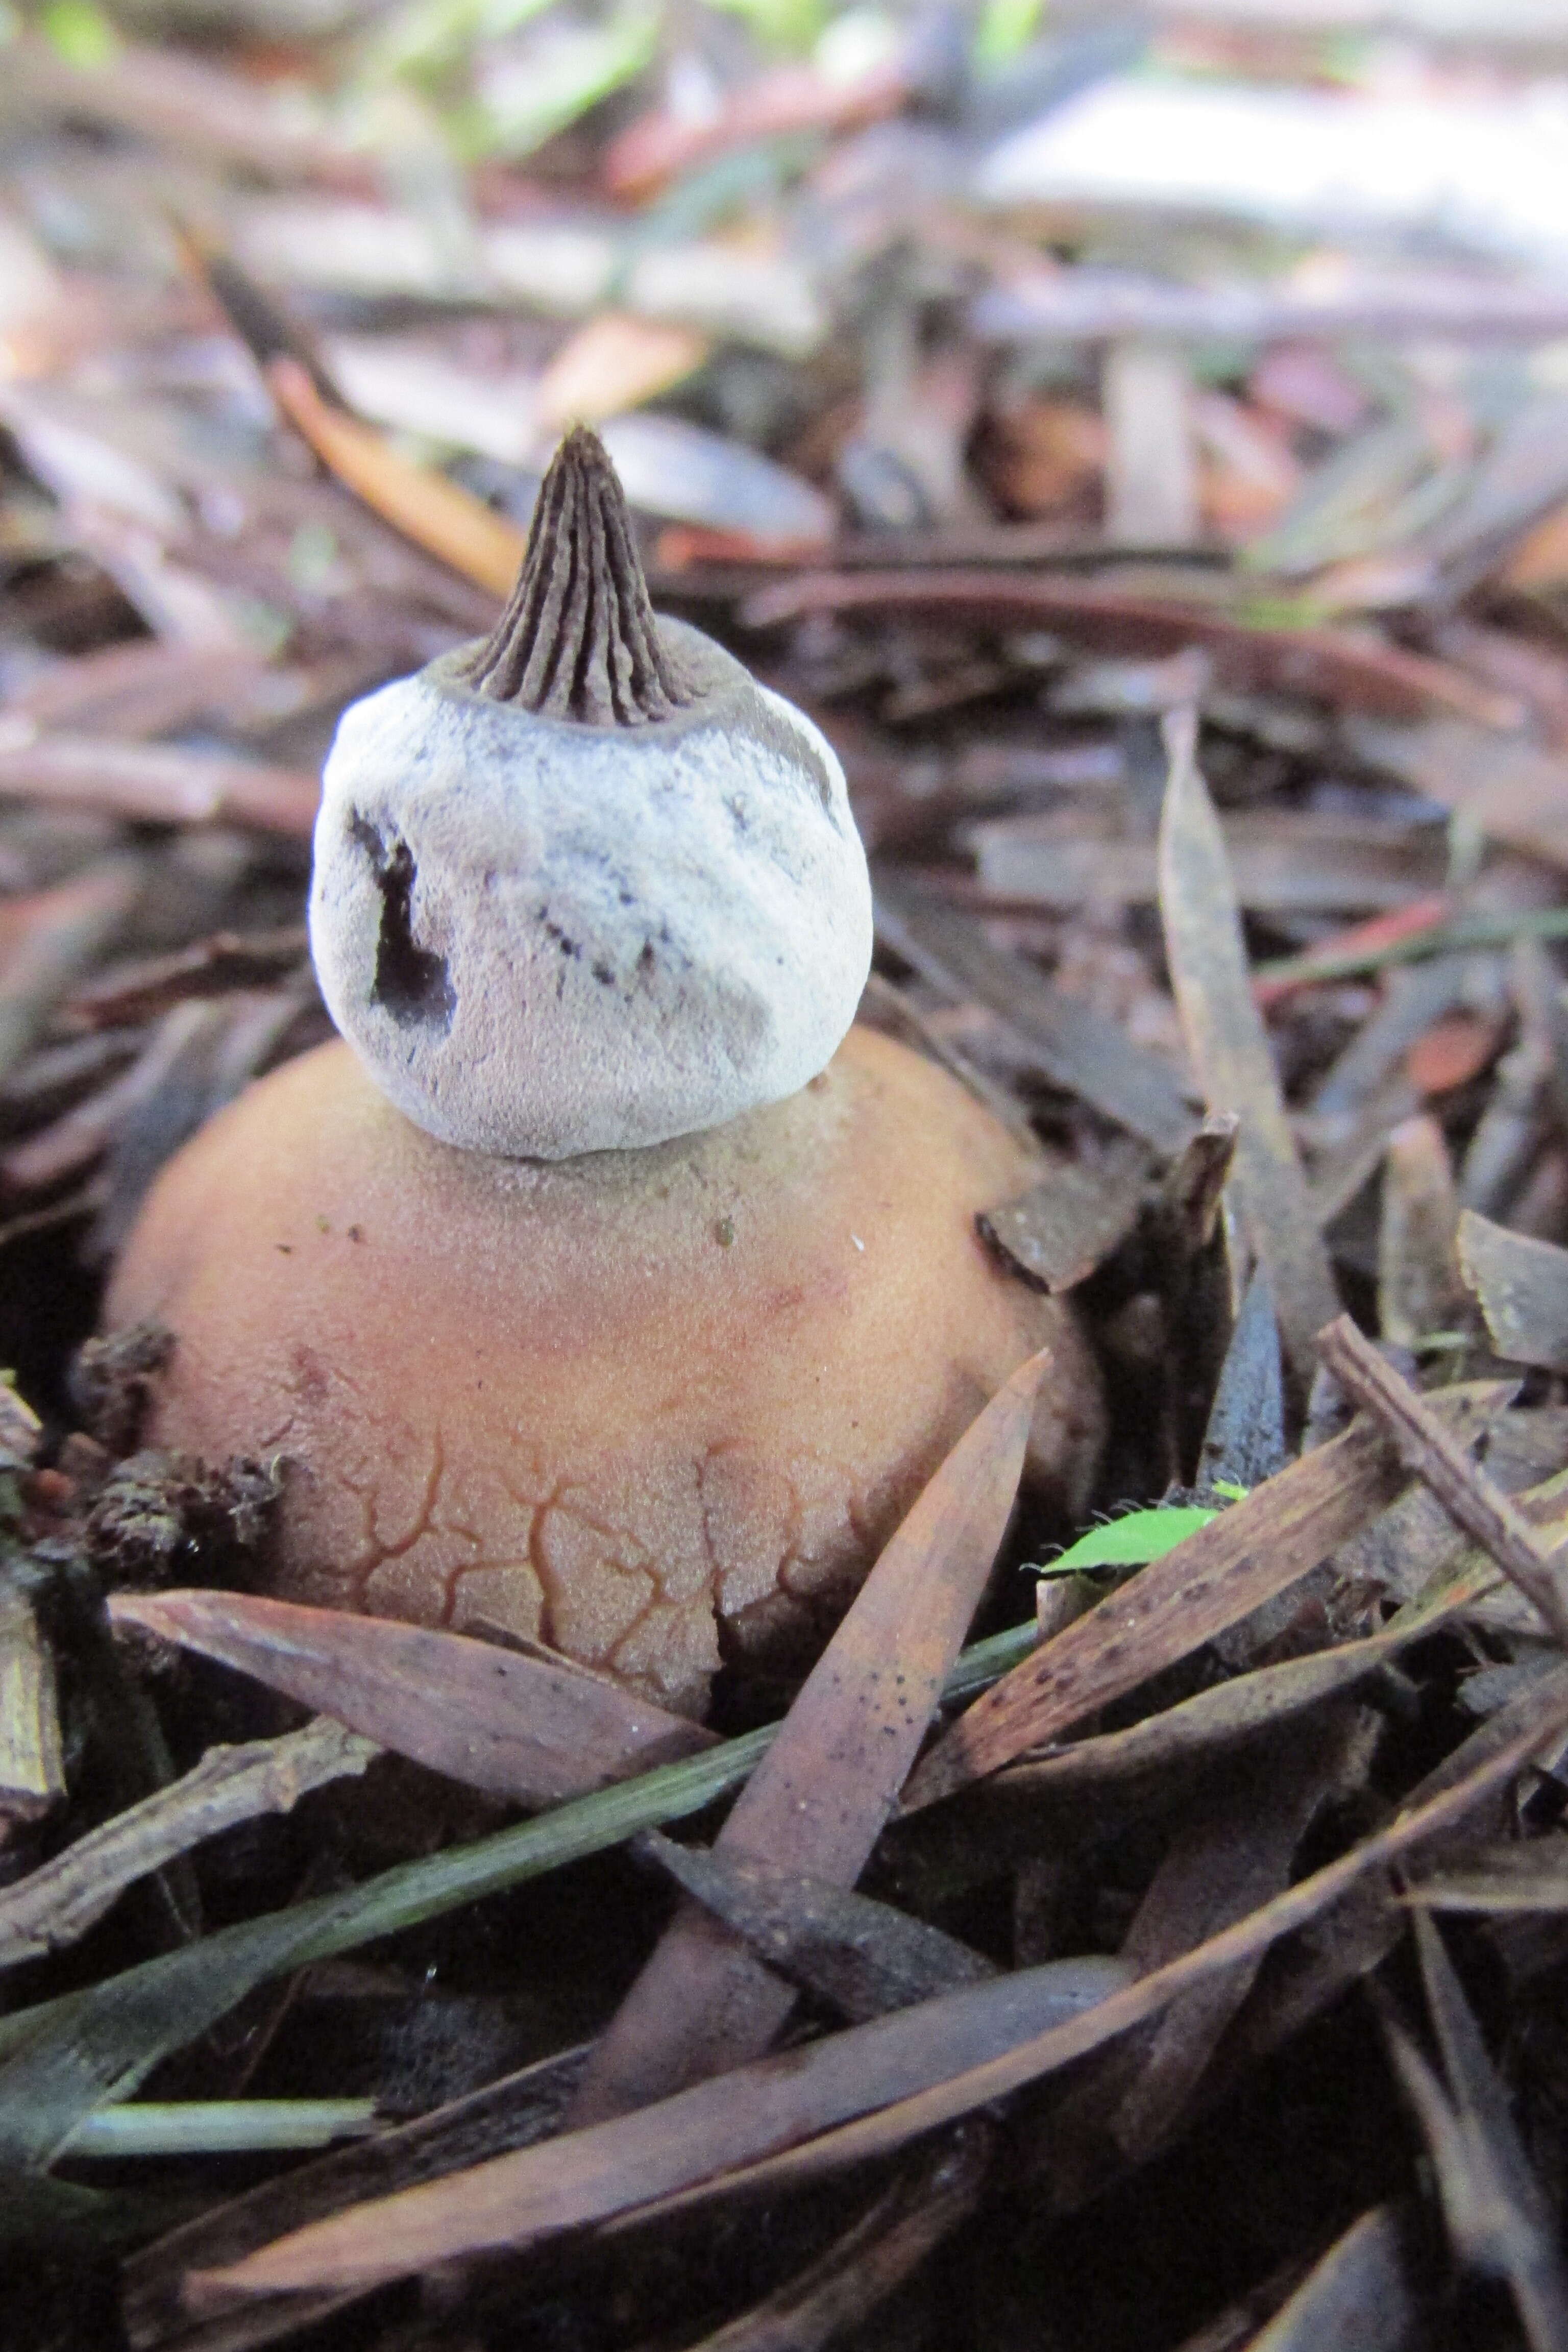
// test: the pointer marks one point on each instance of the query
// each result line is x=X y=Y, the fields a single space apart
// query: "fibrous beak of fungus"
x=578 y=640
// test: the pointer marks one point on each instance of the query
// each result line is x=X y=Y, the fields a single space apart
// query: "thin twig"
x=61 y=1900
x=1424 y=1446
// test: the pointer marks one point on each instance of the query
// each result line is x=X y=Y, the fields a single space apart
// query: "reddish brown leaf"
x=861 y=1956
x=1054 y=1234
x=1227 y=1857
x=138 y=690
x=1454 y=1051
x=1418 y=1287
x=511 y=1725
x=1426 y=914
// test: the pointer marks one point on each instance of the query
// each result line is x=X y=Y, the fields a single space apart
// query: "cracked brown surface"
x=617 y=1402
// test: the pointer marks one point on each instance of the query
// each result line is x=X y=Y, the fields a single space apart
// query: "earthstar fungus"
x=585 y=886
x=606 y=1291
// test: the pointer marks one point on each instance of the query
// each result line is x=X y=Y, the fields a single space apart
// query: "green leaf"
x=1006 y=27
x=1132 y=1542
x=524 y=99
x=429 y=36
x=80 y=32
x=789 y=25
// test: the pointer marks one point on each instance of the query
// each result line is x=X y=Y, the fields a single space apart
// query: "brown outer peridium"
x=598 y=1401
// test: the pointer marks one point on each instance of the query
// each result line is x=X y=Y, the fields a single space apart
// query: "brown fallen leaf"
x=226 y=960
x=1043 y=454
x=1168 y=1745
x=1512 y=788
x=1523 y=1288
x=438 y=515
x=1190 y=1244
x=32 y=1761
x=657 y=147
x=1356 y=1932
x=158 y=784
x=189 y=103
x=876 y=2254
x=683 y=546
x=1249 y=474
x=1498 y=2216
x=854 y=2095
x=509 y=1725
x=611 y=363
x=861 y=1956
x=62 y=1899
x=1418 y=1287
x=50 y=938
x=595 y=2172
x=1282 y=861
x=1228 y=1856
x=1230 y=1052
x=1381 y=932
x=1077 y=1047
x=1340 y=667
x=818 y=1800
x=1357 y=1888
x=511 y=2113
x=1212 y=1580
x=150 y=687
x=1054 y=1234
x=1365 y=2290
x=1470 y=1498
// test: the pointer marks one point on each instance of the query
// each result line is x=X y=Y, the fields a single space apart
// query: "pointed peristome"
x=578 y=640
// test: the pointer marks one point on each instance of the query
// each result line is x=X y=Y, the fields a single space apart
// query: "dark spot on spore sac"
x=604 y=974
x=411 y=983
x=563 y=940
